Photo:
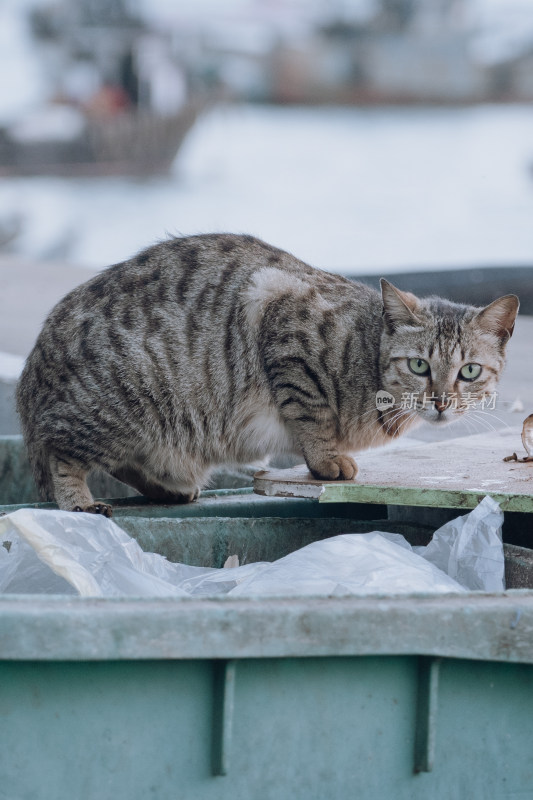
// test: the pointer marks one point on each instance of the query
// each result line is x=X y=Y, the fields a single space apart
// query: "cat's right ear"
x=500 y=316
x=399 y=308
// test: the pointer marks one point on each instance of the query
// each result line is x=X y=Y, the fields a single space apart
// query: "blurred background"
x=368 y=137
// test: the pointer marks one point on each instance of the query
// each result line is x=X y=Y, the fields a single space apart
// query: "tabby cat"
x=219 y=348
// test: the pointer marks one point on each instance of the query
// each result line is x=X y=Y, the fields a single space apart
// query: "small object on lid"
x=527 y=435
x=527 y=441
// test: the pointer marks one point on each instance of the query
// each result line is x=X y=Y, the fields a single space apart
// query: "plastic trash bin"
x=375 y=697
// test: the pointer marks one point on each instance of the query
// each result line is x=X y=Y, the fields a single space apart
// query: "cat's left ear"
x=499 y=317
x=399 y=308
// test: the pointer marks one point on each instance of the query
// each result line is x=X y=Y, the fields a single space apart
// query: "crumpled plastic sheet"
x=469 y=548
x=57 y=552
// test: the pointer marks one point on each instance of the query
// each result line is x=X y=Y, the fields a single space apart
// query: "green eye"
x=418 y=366
x=470 y=372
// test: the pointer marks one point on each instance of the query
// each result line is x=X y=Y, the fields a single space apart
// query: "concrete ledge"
x=475 y=285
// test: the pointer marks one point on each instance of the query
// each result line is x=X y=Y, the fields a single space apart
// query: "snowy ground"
x=353 y=190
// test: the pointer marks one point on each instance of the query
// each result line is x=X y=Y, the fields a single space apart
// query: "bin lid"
x=458 y=473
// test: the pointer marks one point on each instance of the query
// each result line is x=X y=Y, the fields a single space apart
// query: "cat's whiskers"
x=482 y=423
x=385 y=425
x=477 y=416
x=409 y=417
x=491 y=417
x=402 y=412
x=363 y=417
x=474 y=418
x=374 y=410
x=385 y=420
x=394 y=411
x=385 y=412
x=469 y=423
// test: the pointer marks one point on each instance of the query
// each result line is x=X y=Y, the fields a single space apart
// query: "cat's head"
x=441 y=359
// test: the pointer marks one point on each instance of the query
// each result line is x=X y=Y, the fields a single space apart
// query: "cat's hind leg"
x=151 y=488
x=69 y=479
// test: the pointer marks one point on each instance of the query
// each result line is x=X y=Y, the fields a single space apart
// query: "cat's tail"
x=38 y=455
x=40 y=467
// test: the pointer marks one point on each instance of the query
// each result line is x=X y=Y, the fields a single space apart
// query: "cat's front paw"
x=339 y=468
x=178 y=498
x=96 y=508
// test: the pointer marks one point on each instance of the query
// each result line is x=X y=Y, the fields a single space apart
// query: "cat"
x=220 y=348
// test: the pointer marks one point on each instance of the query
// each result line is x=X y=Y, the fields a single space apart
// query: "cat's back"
x=176 y=303
x=182 y=276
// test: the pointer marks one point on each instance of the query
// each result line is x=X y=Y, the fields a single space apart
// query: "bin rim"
x=475 y=626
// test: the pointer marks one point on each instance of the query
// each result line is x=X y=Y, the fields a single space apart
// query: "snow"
x=353 y=190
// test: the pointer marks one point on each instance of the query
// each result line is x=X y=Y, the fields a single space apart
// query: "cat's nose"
x=440 y=406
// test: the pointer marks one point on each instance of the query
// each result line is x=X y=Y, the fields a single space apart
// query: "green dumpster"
x=266 y=698
x=326 y=698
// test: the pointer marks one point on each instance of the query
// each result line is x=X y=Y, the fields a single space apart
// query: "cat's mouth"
x=436 y=417
x=440 y=419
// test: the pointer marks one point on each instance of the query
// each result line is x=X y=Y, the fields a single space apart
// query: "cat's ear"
x=399 y=308
x=500 y=316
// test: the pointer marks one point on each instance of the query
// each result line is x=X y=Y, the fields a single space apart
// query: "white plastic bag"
x=469 y=548
x=63 y=553
x=87 y=554
x=352 y=563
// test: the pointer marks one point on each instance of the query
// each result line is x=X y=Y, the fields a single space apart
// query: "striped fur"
x=220 y=348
